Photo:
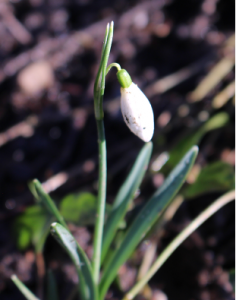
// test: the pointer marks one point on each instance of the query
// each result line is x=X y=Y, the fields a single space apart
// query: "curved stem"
x=116 y=65
x=207 y=213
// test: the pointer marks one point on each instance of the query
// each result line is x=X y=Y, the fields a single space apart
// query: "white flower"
x=137 y=112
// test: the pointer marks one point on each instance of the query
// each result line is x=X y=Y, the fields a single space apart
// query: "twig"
x=19 y=32
x=168 y=82
x=217 y=73
x=223 y=96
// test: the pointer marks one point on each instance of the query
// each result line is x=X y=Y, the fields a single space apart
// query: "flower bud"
x=136 y=110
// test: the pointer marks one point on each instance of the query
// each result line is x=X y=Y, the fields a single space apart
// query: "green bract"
x=124 y=78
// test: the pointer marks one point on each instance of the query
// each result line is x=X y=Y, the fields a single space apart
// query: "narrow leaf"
x=87 y=287
x=52 y=293
x=178 y=240
x=194 y=138
x=232 y=278
x=24 y=290
x=125 y=195
x=46 y=200
x=146 y=218
x=215 y=177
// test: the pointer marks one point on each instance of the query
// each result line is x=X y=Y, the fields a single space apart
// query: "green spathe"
x=124 y=78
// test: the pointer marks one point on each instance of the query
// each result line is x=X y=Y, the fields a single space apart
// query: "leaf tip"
x=53 y=228
x=36 y=183
x=195 y=149
x=53 y=224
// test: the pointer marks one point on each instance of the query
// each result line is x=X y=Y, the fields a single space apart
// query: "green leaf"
x=52 y=293
x=87 y=288
x=217 y=121
x=32 y=227
x=215 y=177
x=46 y=200
x=24 y=290
x=79 y=208
x=99 y=85
x=33 y=191
x=146 y=218
x=232 y=278
x=125 y=195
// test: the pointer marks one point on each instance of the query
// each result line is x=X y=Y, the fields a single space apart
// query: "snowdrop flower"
x=135 y=107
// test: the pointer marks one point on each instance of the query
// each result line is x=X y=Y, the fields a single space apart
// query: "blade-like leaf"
x=125 y=195
x=232 y=278
x=46 y=200
x=146 y=218
x=217 y=121
x=87 y=288
x=178 y=240
x=215 y=177
x=24 y=290
x=52 y=292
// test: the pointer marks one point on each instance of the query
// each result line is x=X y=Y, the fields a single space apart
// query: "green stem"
x=116 y=65
x=99 y=88
x=208 y=212
x=101 y=200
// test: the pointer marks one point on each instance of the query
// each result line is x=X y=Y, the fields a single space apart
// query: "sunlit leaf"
x=44 y=199
x=217 y=121
x=87 y=288
x=125 y=195
x=152 y=210
x=215 y=177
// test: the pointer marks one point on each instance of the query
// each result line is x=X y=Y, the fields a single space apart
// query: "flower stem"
x=207 y=213
x=113 y=65
x=99 y=88
x=101 y=199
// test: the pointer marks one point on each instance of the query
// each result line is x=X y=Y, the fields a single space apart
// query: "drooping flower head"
x=135 y=107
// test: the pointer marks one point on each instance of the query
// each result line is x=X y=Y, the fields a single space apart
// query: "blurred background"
x=181 y=54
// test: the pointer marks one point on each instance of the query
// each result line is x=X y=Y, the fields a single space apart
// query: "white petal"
x=137 y=112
